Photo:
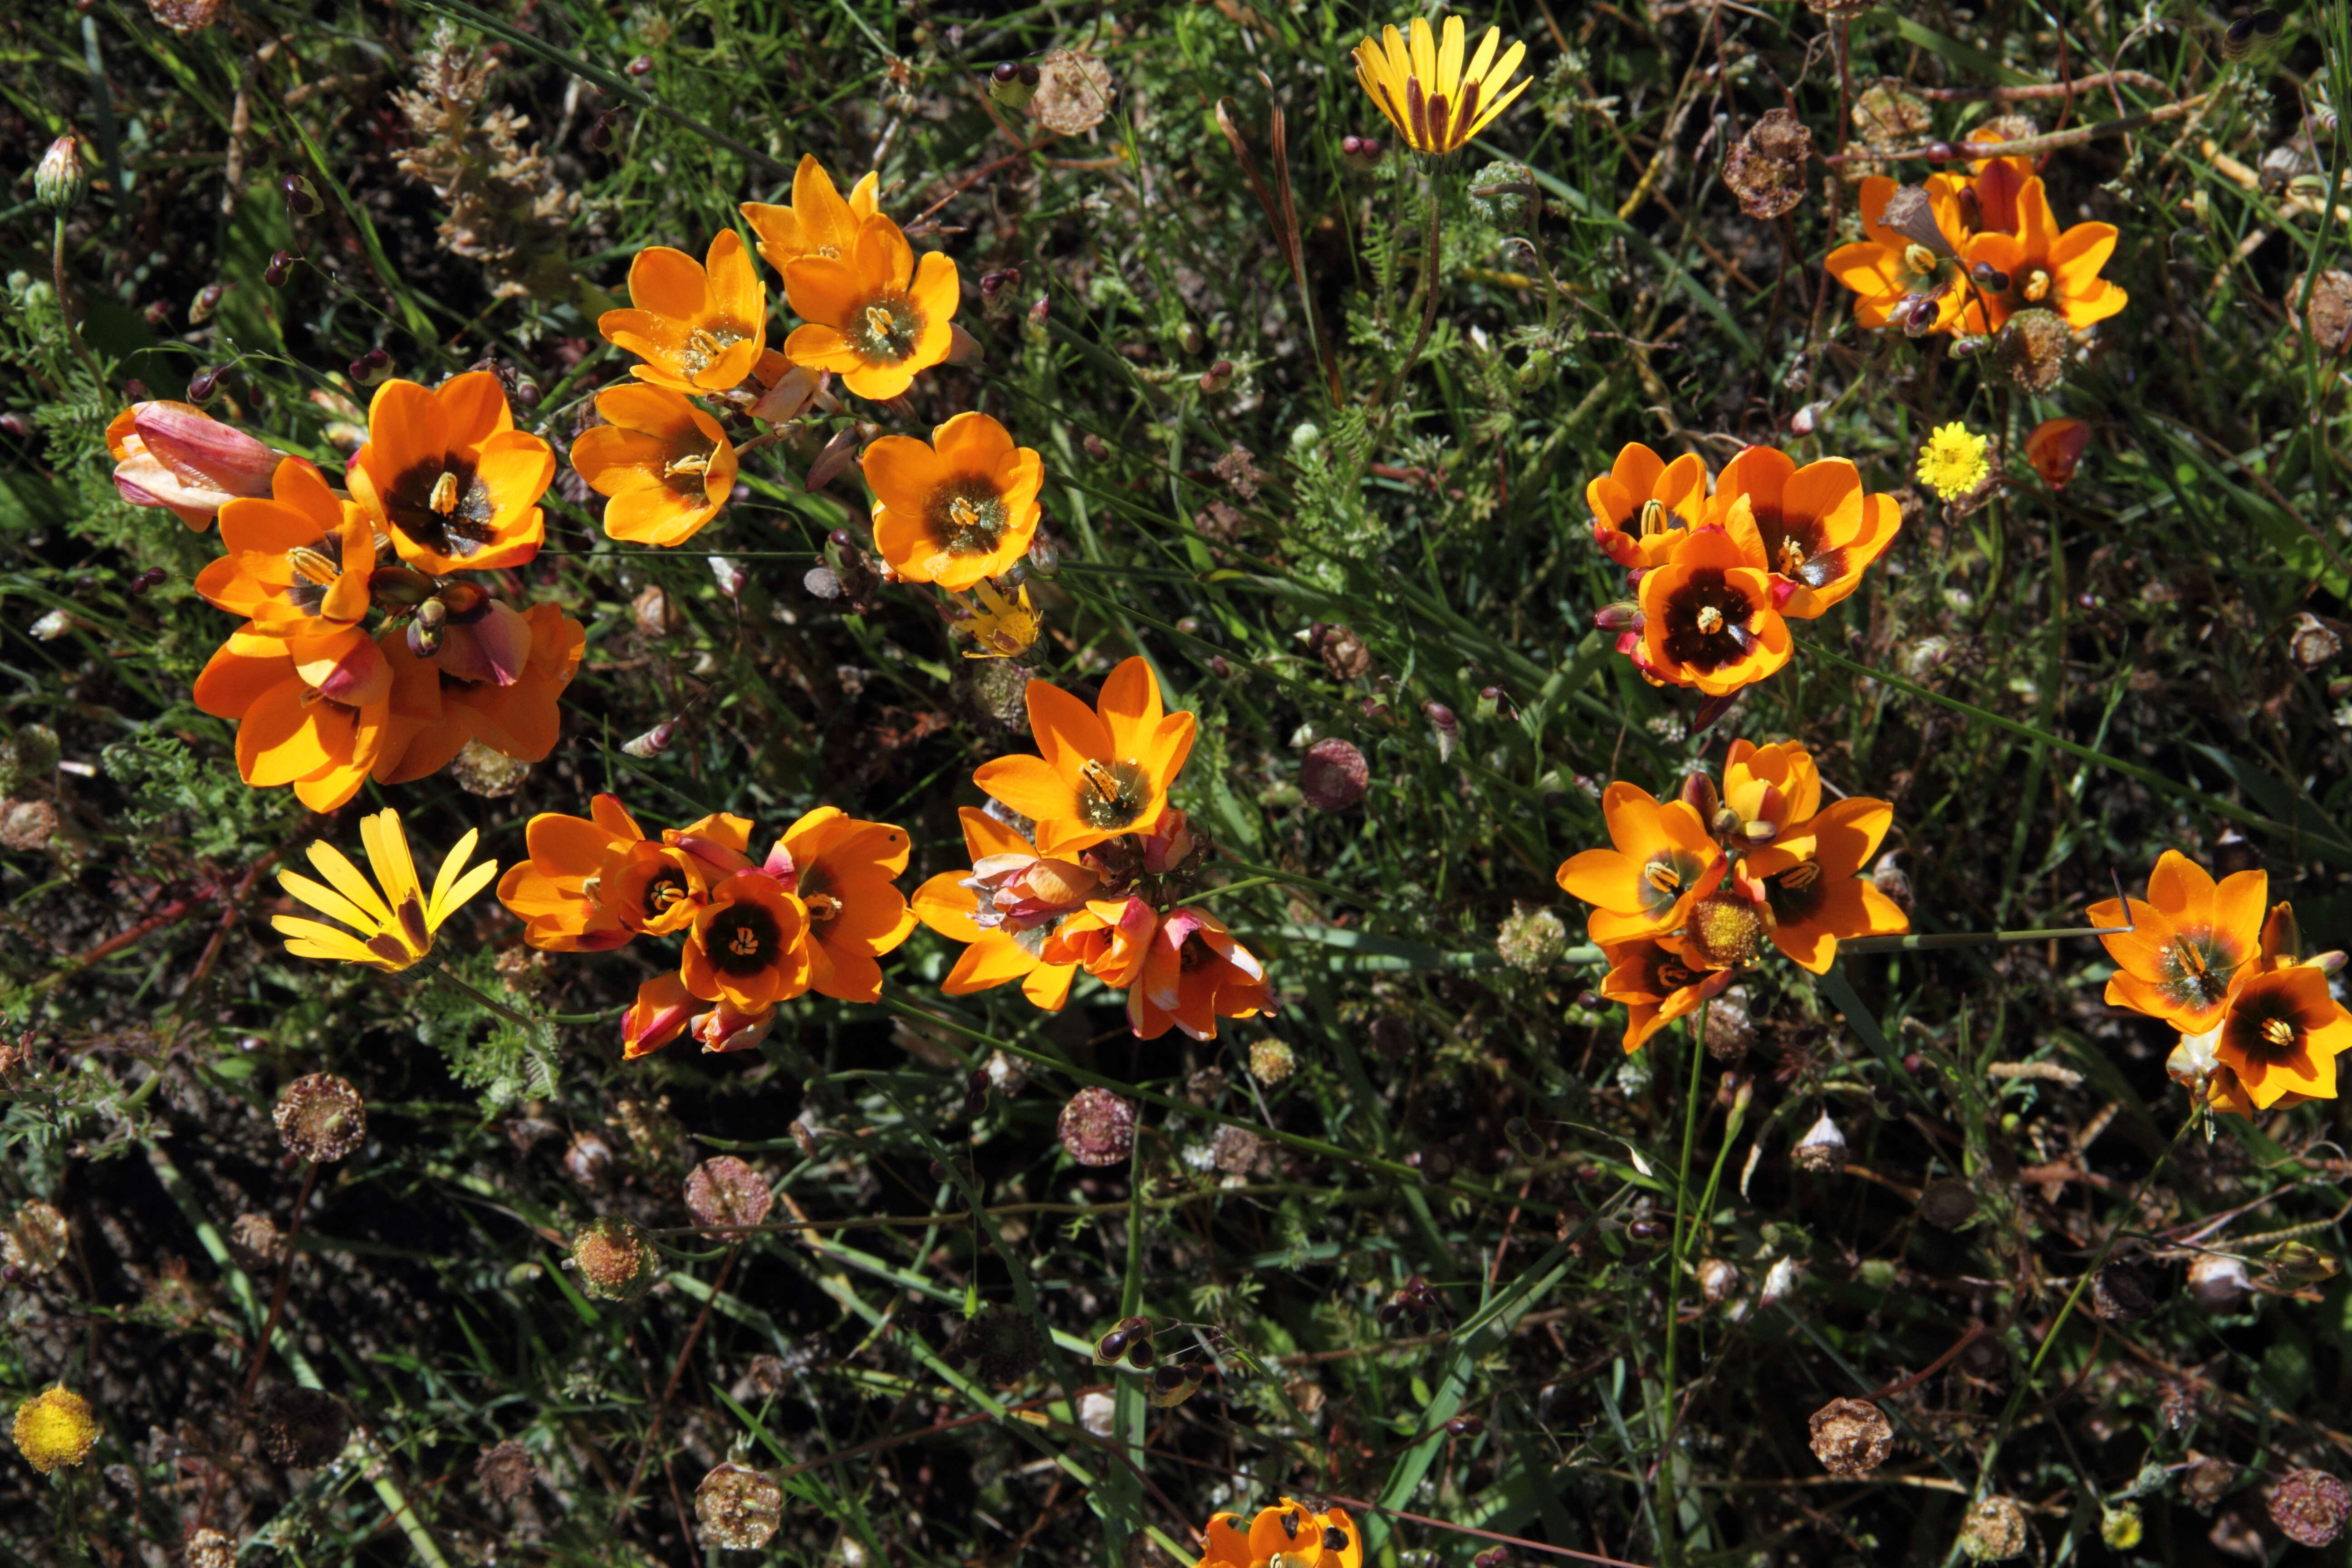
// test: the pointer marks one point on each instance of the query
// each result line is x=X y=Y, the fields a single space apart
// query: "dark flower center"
x=2196 y=968
x=1796 y=893
x=743 y=940
x=1664 y=877
x=1111 y=795
x=443 y=505
x=1706 y=622
x=885 y=329
x=1798 y=549
x=966 y=515
x=2267 y=1027
x=316 y=568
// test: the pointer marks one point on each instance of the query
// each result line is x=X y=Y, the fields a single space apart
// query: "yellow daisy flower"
x=1954 y=461
x=1005 y=628
x=395 y=929
x=1422 y=88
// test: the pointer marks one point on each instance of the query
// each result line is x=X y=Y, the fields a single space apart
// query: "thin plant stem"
x=1669 y=1550
x=500 y=1008
x=277 y=1292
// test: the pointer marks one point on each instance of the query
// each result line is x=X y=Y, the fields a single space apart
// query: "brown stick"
x=677 y=1370
x=278 y=1294
x=2038 y=89
x=1963 y=152
x=1976 y=1331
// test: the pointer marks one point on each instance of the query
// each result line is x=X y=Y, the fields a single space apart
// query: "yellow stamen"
x=2278 y=1032
x=822 y=906
x=1710 y=619
x=877 y=320
x=1918 y=260
x=1792 y=558
x=1801 y=876
x=692 y=463
x=669 y=893
x=701 y=341
x=1101 y=778
x=963 y=514
x=1653 y=519
x=743 y=944
x=445 y=493
x=311 y=566
x=1664 y=878
x=2037 y=285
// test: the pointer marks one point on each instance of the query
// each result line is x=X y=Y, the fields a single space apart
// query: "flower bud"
x=1822 y=1149
x=600 y=131
x=1622 y=616
x=614 y=1259
x=1465 y=1426
x=1699 y=793
x=654 y=741
x=641 y=65
x=1363 y=153
x=740 y=1508
x=2218 y=1284
x=321 y=1118
x=1040 y=312
x=1781 y=1281
x=1994 y=1531
x=200 y=311
x=1013 y=83
x=61 y=180
x=301 y=196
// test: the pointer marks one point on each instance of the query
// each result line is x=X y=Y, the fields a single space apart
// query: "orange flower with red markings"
x=1814 y=528
x=2040 y=266
x=1658 y=983
x=1709 y=616
x=299 y=561
x=2190 y=942
x=448 y=476
x=1642 y=500
x=961 y=508
x=1105 y=770
x=844 y=872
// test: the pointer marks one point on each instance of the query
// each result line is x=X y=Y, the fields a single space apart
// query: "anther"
x=311 y=566
x=1710 y=619
x=2278 y=1032
x=445 y=493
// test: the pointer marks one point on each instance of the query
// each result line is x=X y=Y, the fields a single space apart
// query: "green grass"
x=2050 y=689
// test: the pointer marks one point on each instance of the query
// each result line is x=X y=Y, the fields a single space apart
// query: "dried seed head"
x=1947 y=1203
x=1097 y=1128
x=1840 y=10
x=2206 y=1482
x=2312 y=643
x=1724 y=930
x=1730 y=1030
x=1821 y=1149
x=2123 y=1292
x=1994 y=1531
x=2179 y=1406
x=1235 y=1150
x=490 y=774
x=1851 y=1437
x=1781 y=1283
x=27 y=824
x=1006 y=1075
x=2309 y=1507
x=2330 y=310
x=739 y=1507
x=1073 y=93
x=321 y=1118
x=300 y=1428
x=208 y=1549
x=588 y=1158
x=1885 y=115
x=2032 y=349
x=1004 y=1344
x=1333 y=776
x=35 y=1238
x=1271 y=1061
x=614 y=1259
x=506 y=1470
x=1343 y=653
x=1718 y=1279
x=727 y=1193
x=1766 y=168
x=1531 y=939
x=55 y=1428
x=255 y=1241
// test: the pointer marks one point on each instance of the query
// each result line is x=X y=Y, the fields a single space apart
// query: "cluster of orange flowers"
x=445 y=485
x=2259 y=1027
x=1718 y=577
x=1695 y=887
x=1082 y=864
x=1964 y=254
x=958 y=511
x=815 y=915
x=1288 y=1535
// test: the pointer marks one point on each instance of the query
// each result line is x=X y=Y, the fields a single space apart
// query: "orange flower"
x=842 y=870
x=1640 y=502
x=1988 y=199
x=660 y=1013
x=521 y=719
x=558 y=891
x=1809 y=879
x=447 y=475
x=747 y=946
x=1003 y=908
x=2045 y=268
x=2189 y=941
x=298 y=563
x=2055 y=449
x=1813 y=527
x=666 y=465
x=177 y=455
x=1708 y=615
x=1290 y=1534
x=728 y=1027
x=2282 y=1033
x=1662 y=860
x=1658 y=983
x=698 y=326
x=817 y=223
x=1195 y=973
x=1105 y=771
x=657 y=889
x=873 y=318
x=1907 y=272
x=962 y=508
x=1769 y=788
x=1110 y=939
x=317 y=712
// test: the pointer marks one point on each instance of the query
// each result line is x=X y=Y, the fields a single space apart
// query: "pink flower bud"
x=177 y=455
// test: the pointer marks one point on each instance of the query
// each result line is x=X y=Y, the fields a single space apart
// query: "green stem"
x=1669 y=1550
x=500 y=1008
x=1917 y=943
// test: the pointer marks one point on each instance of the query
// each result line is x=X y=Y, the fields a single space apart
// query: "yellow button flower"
x=55 y=1428
x=1955 y=461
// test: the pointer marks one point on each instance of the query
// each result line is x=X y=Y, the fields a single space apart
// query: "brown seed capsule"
x=1333 y=776
x=1003 y=1343
x=34 y=1241
x=588 y=1158
x=321 y=1118
x=2206 y=1482
x=1851 y=1437
x=208 y=1549
x=2312 y=643
x=2032 y=349
x=2123 y=1292
x=614 y=1259
x=2309 y=1507
x=255 y=1242
x=738 y=1508
x=300 y=1428
x=280 y=269
x=2329 y=313
x=1097 y=1128
x=1766 y=168
x=726 y=1193
x=1994 y=1531
x=506 y=1470
x=1465 y=1426
x=2218 y=1284
x=1140 y=1353
x=1171 y=1386
x=1343 y=653
x=1947 y=1203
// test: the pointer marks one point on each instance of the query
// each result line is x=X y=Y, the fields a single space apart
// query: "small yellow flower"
x=396 y=928
x=1424 y=90
x=1954 y=461
x=55 y=1428
x=1005 y=628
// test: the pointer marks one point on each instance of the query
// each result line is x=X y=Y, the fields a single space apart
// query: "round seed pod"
x=1271 y=1061
x=726 y=1193
x=1171 y=1386
x=1140 y=1353
x=739 y=1507
x=506 y=1470
x=2031 y=349
x=2309 y=1507
x=614 y=1260
x=1333 y=776
x=55 y=1428
x=2206 y=1482
x=208 y=1549
x=1851 y=1437
x=321 y=1118
x=1531 y=939
x=2123 y=1292
x=1097 y=1128
x=300 y=1428
x=255 y=1242
x=2218 y=1284
x=1994 y=1531
x=1947 y=1203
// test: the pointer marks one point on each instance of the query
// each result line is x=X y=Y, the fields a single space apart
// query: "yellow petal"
x=452 y=864
x=338 y=869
